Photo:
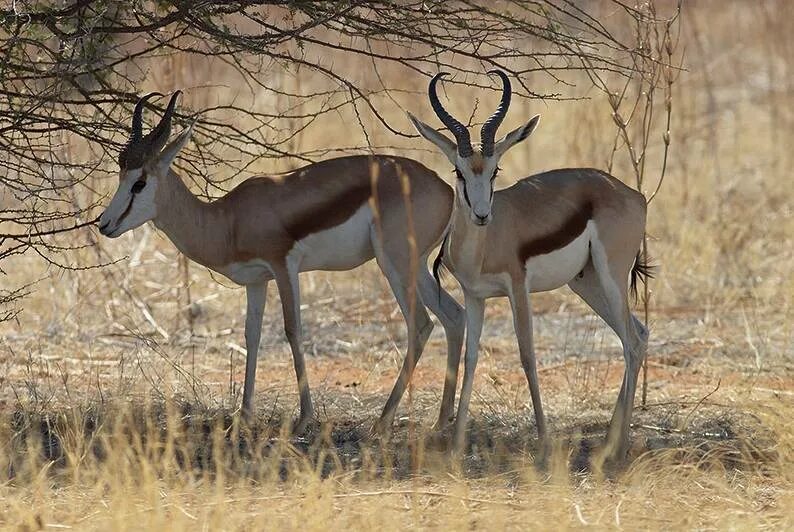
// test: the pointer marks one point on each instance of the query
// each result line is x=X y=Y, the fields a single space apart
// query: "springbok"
x=577 y=226
x=332 y=215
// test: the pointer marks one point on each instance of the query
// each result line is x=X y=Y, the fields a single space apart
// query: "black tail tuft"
x=438 y=265
x=642 y=270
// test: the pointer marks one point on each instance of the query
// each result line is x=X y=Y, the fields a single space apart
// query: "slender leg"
x=289 y=290
x=522 y=322
x=452 y=318
x=419 y=328
x=603 y=294
x=256 y=295
x=617 y=442
x=475 y=311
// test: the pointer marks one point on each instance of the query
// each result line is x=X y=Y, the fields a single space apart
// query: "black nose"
x=481 y=220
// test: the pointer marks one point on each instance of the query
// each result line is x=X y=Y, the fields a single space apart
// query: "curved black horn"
x=131 y=156
x=457 y=129
x=137 y=117
x=159 y=135
x=488 y=131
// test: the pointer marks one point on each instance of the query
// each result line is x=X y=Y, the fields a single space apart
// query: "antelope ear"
x=444 y=143
x=169 y=153
x=516 y=136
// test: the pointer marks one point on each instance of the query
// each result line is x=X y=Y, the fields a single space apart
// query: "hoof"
x=246 y=415
x=302 y=425
x=543 y=456
x=437 y=440
x=442 y=426
x=609 y=461
x=381 y=430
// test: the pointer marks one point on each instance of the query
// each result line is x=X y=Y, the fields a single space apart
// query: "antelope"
x=332 y=215
x=574 y=226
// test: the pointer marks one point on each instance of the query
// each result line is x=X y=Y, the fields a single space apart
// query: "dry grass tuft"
x=174 y=464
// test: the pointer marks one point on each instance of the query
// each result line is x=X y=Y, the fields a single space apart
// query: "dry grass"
x=177 y=465
x=115 y=417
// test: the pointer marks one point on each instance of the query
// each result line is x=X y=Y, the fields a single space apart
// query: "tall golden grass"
x=115 y=416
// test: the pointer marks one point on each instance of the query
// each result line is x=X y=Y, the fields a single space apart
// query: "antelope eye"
x=138 y=186
x=457 y=173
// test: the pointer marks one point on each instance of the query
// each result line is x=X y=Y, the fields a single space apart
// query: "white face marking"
x=132 y=205
x=475 y=172
x=555 y=269
x=475 y=186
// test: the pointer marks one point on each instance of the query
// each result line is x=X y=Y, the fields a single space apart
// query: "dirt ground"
x=144 y=427
x=704 y=369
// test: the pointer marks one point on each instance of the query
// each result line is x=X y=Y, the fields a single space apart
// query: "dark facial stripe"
x=560 y=238
x=465 y=192
x=126 y=211
x=129 y=205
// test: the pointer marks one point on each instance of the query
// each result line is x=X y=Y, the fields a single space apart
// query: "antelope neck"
x=194 y=226
x=466 y=242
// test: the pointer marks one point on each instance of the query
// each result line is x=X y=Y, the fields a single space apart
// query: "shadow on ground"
x=194 y=438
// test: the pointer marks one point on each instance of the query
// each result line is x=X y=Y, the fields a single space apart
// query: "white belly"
x=340 y=248
x=555 y=269
x=343 y=247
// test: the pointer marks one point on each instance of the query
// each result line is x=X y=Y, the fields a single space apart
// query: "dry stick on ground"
x=654 y=69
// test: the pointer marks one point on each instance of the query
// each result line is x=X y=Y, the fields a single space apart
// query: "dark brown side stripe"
x=335 y=211
x=560 y=238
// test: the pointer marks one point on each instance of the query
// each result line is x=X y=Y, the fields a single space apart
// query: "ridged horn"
x=457 y=129
x=155 y=140
x=137 y=117
x=488 y=131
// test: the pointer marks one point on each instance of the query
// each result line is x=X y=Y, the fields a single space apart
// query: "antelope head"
x=144 y=165
x=476 y=169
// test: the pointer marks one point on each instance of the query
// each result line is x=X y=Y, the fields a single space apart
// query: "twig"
x=19 y=236
x=385 y=493
x=700 y=402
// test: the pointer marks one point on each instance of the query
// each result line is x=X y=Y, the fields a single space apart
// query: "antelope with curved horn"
x=576 y=226
x=319 y=217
